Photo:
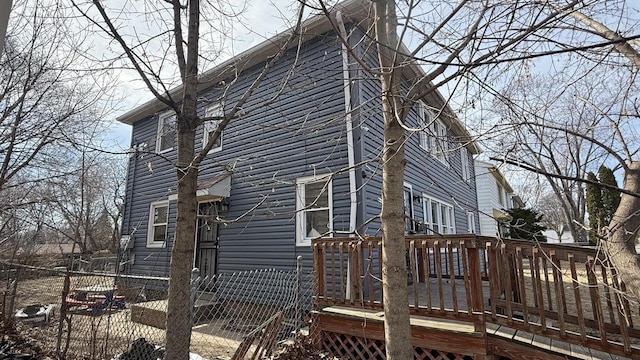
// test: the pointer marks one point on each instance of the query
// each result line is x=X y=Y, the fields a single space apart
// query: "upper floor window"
x=438 y=216
x=166 y=132
x=210 y=126
x=427 y=141
x=500 y=195
x=464 y=160
x=441 y=142
x=314 y=206
x=433 y=136
x=158 y=221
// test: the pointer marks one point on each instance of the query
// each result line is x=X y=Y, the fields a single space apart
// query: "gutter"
x=353 y=209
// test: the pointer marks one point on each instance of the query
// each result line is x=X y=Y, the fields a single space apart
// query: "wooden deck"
x=515 y=299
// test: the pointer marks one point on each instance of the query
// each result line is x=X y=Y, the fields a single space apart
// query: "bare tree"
x=84 y=203
x=554 y=216
x=614 y=109
x=535 y=112
x=179 y=24
x=455 y=46
x=44 y=93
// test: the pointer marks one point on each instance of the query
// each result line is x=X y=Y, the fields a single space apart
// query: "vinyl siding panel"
x=487 y=199
x=426 y=174
x=288 y=129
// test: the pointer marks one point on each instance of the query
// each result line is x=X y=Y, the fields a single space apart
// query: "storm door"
x=207 y=239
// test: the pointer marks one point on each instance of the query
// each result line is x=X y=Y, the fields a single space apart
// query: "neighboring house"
x=303 y=161
x=564 y=234
x=495 y=196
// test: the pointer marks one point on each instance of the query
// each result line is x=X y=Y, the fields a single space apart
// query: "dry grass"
x=103 y=335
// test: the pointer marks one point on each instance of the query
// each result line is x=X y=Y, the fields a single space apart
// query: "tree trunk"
x=623 y=232
x=394 y=269
x=179 y=309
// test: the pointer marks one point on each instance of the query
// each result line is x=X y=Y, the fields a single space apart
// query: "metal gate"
x=207 y=239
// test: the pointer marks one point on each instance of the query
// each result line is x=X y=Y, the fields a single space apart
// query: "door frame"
x=196 y=247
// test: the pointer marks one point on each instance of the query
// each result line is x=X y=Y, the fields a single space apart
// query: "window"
x=210 y=126
x=471 y=222
x=314 y=205
x=407 y=199
x=427 y=141
x=166 y=132
x=438 y=216
x=464 y=160
x=158 y=219
x=500 y=195
x=442 y=145
x=433 y=137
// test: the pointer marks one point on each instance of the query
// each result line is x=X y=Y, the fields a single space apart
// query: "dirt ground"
x=100 y=336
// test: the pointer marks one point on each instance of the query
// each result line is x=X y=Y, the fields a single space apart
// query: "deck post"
x=477 y=300
x=318 y=266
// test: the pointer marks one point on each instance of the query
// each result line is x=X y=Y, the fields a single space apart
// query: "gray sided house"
x=302 y=161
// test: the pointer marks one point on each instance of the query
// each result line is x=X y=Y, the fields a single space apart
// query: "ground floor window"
x=314 y=208
x=407 y=200
x=471 y=222
x=158 y=221
x=439 y=216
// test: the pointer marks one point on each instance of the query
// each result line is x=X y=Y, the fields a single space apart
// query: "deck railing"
x=444 y=278
x=562 y=292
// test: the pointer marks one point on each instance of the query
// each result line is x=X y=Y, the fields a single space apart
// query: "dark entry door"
x=207 y=244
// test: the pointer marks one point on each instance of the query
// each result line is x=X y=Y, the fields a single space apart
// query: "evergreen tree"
x=525 y=224
x=610 y=197
x=594 y=207
x=601 y=202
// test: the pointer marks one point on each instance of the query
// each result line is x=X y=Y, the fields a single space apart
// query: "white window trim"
x=210 y=111
x=151 y=225
x=411 y=210
x=301 y=239
x=427 y=203
x=433 y=138
x=464 y=161
x=161 y=119
x=471 y=222
x=426 y=134
x=441 y=143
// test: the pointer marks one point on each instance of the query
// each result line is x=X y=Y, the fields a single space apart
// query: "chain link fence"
x=106 y=315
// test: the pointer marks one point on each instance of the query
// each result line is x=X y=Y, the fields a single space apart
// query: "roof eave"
x=316 y=25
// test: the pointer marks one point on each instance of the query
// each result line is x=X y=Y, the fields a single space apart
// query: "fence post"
x=195 y=284
x=12 y=299
x=298 y=315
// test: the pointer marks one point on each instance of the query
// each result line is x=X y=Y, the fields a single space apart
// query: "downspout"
x=349 y=124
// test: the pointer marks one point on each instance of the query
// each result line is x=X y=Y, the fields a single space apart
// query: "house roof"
x=356 y=11
x=60 y=249
x=496 y=174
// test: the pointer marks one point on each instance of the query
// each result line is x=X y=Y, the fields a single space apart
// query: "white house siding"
x=488 y=198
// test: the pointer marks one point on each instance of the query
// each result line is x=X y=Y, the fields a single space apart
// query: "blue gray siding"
x=423 y=172
x=278 y=139
x=300 y=133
